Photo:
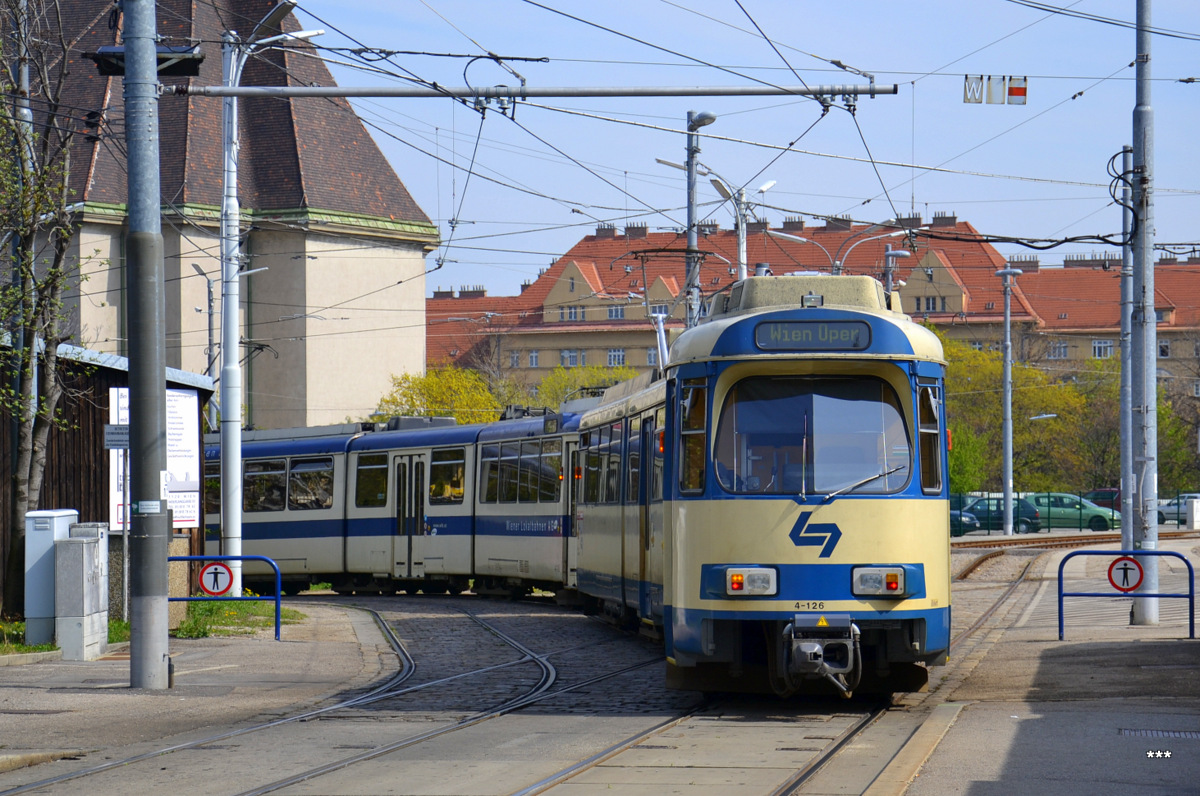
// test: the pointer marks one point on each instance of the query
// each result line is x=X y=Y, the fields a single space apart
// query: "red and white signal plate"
x=1125 y=574
x=216 y=578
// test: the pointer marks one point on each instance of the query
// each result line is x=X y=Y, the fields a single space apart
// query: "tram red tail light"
x=879 y=582
x=751 y=581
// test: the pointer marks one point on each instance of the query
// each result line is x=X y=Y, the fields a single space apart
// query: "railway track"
x=1030 y=540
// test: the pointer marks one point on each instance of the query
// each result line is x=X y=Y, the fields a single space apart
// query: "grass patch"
x=232 y=618
x=12 y=640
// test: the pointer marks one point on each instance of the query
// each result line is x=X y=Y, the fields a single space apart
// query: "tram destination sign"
x=813 y=336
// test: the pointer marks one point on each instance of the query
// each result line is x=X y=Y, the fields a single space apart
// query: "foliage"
x=441 y=392
x=563 y=384
x=232 y=617
x=39 y=224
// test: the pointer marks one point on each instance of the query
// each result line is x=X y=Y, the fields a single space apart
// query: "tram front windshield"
x=805 y=435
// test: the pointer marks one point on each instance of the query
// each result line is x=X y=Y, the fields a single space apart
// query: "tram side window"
x=212 y=487
x=370 y=480
x=264 y=485
x=447 y=471
x=509 y=457
x=692 y=436
x=531 y=462
x=591 y=469
x=489 y=473
x=612 y=472
x=930 y=435
x=310 y=484
x=551 y=471
x=633 y=480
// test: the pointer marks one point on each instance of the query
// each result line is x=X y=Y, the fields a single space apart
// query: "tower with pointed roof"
x=340 y=306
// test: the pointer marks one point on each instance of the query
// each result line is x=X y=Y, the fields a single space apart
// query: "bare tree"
x=37 y=217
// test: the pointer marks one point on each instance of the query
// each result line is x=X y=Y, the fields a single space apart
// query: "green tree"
x=38 y=223
x=564 y=384
x=441 y=392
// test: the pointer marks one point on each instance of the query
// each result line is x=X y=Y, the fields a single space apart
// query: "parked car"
x=962 y=522
x=1108 y=497
x=1062 y=510
x=990 y=513
x=1175 y=510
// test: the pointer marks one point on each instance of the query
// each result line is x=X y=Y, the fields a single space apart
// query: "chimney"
x=757 y=227
x=606 y=231
x=443 y=294
x=635 y=231
x=793 y=224
x=942 y=218
x=908 y=222
x=838 y=224
x=1026 y=262
x=707 y=227
x=475 y=291
x=525 y=285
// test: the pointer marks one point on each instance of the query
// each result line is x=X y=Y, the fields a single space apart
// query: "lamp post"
x=836 y=259
x=235 y=52
x=889 y=256
x=694 y=122
x=210 y=353
x=740 y=206
x=1007 y=274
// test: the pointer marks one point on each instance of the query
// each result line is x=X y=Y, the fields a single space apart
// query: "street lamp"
x=694 y=122
x=740 y=207
x=235 y=53
x=836 y=259
x=1007 y=274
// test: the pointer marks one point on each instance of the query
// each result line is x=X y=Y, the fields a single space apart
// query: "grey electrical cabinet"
x=81 y=597
x=42 y=530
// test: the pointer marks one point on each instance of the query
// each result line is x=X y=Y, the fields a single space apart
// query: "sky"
x=511 y=189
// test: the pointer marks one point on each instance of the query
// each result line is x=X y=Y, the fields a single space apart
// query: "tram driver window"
x=805 y=435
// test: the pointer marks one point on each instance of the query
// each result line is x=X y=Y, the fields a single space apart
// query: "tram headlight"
x=879 y=582
x=750 y=581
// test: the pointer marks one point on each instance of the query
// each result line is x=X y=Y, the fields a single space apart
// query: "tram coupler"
x=822 y=645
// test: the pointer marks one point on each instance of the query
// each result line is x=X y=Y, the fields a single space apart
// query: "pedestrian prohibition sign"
x=215 y=578
x=1125 y=574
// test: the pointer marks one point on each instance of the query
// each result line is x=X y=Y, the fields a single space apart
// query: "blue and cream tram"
x=783 y=511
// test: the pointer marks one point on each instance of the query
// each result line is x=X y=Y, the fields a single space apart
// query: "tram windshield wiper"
x=863 y=482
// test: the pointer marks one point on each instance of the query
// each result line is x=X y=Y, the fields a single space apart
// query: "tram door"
x=408 y=548
x=570 y=489
x=650 y=507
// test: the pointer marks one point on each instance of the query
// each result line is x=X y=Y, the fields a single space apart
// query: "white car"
x=1175 y=510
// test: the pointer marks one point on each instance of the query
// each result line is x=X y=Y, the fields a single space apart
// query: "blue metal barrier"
x=1191 y=593
x=274 y=566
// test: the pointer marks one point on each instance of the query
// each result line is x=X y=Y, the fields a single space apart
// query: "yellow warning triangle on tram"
x=822 y=623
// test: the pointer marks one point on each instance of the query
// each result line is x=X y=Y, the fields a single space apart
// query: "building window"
x=652 y=357
x=1058 y=350
x=562 y=313
x=977 y=345
x=616 y=356
x=571 y=284
x=571 y=357
x=1196 y=389
x=917 y=308
x=533 y=358
x=660 y=309
x=931 y=303
x=514 y=359
x=572 y=313
x=1102 y=349
x=943 y=302
x=616 y=312
x=991 y=305
x=1164 y=349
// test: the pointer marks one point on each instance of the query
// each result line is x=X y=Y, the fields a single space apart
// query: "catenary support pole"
x=146 y=310
x=1126 y=412
x=1145 y=535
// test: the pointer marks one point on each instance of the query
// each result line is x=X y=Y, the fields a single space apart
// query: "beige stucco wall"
x=343 y=315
